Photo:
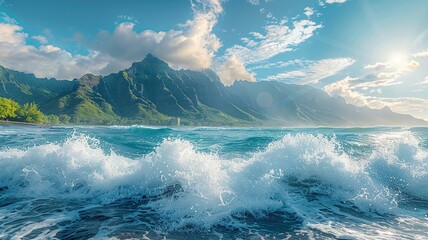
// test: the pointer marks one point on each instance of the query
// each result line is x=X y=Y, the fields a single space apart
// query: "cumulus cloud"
x=234 y=69
x=347 y=89
x=309 y=11
x=413 y=65
x=45 y=61
x=11 y=35
x=314 y=71
x=40 y=38
x=192 y=45
x=257 y=35
x=192 y=48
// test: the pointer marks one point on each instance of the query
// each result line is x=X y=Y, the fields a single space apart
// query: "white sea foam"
x=194 y=189
x=401 y=163
x=138 y=127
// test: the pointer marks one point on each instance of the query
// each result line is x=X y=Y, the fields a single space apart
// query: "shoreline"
x=214 y=126
x=21 y=123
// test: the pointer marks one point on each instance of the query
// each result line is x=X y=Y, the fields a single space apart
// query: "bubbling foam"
x=200 y=190
x=401 y=163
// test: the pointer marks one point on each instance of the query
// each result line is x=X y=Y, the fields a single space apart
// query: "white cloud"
x=45 y=61
x=49 y=49
x=309 y=11
x=417 y=107
x=383 y=74
x=277 y=39
x=281 y=64
x=192 y=45
x=40 y=38
x=7 y=19
x=207 y=6
x=345 y=89
x=335 y=1
x=270 y=16
x=234 y=69
x=11 y=35
x=125 y=18
x=421 y=54
x=254 y=2
x=383 y=78
x=375 y=81
x=251 y=43
x=387 y=75
x=424 y=82
x=257 y=35
x=412 y=65
x=399 y=66
x=377 y=66
x=291 y=75
x=314 y=71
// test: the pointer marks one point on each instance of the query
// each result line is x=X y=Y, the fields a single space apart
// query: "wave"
x=139 y=127
x=186 y=187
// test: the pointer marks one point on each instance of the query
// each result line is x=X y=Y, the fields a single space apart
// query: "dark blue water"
x=213 y=183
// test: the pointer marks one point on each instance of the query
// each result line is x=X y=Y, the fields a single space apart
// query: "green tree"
x=53 y=119
x=30 y=113
x=64 y=118
x=8 y=108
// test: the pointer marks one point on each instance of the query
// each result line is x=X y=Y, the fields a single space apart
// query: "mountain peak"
x=154 y=60
x=89 y=79
x=148 y=64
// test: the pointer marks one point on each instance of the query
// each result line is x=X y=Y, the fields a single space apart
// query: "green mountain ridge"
x=150 y=92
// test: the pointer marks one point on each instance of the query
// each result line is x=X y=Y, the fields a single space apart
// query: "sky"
x=371 y=52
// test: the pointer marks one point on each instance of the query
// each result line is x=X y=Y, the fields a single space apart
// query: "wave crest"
x=190 y=188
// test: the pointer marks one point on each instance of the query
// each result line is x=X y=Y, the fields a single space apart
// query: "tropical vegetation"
x=29 y=112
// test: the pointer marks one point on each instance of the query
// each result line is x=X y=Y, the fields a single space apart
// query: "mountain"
x=24 y=87
x=302 y=105
x=151 y=92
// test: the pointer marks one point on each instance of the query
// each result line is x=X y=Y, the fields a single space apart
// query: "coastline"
x=21 y=123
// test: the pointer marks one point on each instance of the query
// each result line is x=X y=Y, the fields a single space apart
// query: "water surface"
x=213 y=183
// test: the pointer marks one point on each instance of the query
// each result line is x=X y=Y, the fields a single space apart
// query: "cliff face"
x=24 y=87
x=150 y=90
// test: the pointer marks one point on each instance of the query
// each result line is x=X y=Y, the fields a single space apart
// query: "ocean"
x=142 y=182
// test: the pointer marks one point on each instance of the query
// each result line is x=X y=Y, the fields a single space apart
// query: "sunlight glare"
x=398 y=59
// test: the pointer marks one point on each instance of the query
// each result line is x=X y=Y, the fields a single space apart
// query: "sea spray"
x=310 y=178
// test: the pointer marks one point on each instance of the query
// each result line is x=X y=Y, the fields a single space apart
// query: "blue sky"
x=371 y=52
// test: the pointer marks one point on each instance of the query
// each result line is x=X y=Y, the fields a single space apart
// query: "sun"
x=398 y=59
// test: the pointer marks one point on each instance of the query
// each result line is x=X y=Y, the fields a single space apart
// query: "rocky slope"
x=152 y=92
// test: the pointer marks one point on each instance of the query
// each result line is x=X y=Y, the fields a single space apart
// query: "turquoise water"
x=213 y=183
